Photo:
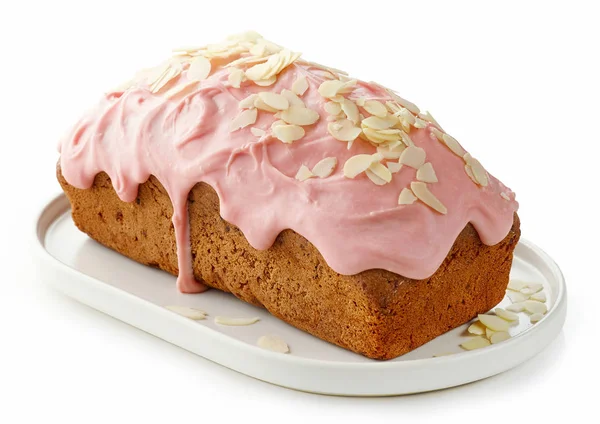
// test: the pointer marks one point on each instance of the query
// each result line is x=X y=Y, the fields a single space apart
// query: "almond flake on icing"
x=413 y=156
x=539 y=297
x=424 y=195
x=406 y=197
x=235 y=321
x=288 y=133
x=273 y=343
x=534 y=307
x=274 y=100
x=375 y=178
x=380 y=171
x=299 y=116
x=426 y=173
x=260 y=104
x=404 y=103
x=343 y=130
x=248 y=102
x=304 y=173
x=292 y=98
x=506 y=315
x=504 y=196
x=199 y=69
x=469 y=172
x=330 y=88
x=247 y=117
x=477 y=170
x=394 y=167
x=300 y=86
x=493 y=322
x=351 y=111
x=357 y=165
x=377 y=123
x=325 y=167
x=499 y=336
x=332 y=108
x=235 y=78
x=165 y=78
x=476 y=343
x=453 y=145
x=258 y=132
x=181 y=90
x=419 y=123
x=536 y=317
x=391 y=153
x=477 y=329
x=429 y=118
x=186 y=311
x=361 y=101
x=375 y=108
x=266 y=82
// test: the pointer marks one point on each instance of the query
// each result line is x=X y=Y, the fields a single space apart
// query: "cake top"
x=362 y=173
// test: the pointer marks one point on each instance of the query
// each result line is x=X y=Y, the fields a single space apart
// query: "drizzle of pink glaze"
x=354 y=224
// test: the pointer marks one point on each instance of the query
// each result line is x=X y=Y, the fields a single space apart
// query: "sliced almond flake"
x=325 y=167
x=266 y=82
x=493 y=322
x=263 y=70
x=235 y=321
x=406 y=139
x=517 y=285
x=381 y=171
x=246 y=60
x=258 y=132
x=199 y=69
x=390 y=153
x=273 y=343
x=248 y=102
x=394 y=167
x=534 y=307
x=516 y=297
x=439 y=355
x=274 y=100
x=453 y=145
x=304 y=173
x=278 y=122
x=348 y=86
x=477 y=329
x=469 y=172
x=332 y=108
x=339 y=98
x=186 y=311
x=477 y=169
x=424 y=195
x=374 y=178
x=536 y=317
x=426 y=173
x=259 y=104
x=419 y=123
x=299 y=115
x=516 y=307
x=292 y=98
x=499 y=336
x=343 y=130
x=406 y=197
x=429 y=118
x=247 y=117
x=300 y=86
x=438 y=134
x=357 y=165
x=405 y=103
x=361 y=101
x=533 y=287
x=504 y=196
x=476 y=343
x=258 y=50
x=379 y=137
x=506 y=315
x=167 y=77
x=378 y=123
x=539 y=297
x=288 y=133
x=330 y=88
x=376 y=108
x=152 y=75
x=413 y=156
x=181 y=90
x=235 y=78
x=489 y=333
x=406 y=118
x=351 y=110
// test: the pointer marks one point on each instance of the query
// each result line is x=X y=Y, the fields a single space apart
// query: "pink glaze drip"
x=355 y=224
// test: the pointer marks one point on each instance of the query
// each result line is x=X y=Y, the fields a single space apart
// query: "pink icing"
x=355 y=224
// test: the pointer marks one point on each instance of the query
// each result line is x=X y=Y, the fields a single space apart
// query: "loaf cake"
x=334 y=203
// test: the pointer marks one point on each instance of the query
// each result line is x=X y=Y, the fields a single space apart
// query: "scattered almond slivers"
x=516 y=307
x=540 y=297
x=477 y=329
x=475 y=343
x=304 y=173
x=407 y=197
x=343 y=130
x=325 y=167
x=357 y=165
x=375 y=108
x=493 y=322
x=199 y=69
x=222 y=320
x=536 y=317
x=424 y=195
x=426 y=173
x=236 y=76
x=247 y=117
x=257 y=132
x=499 y=336
x=288 y=133
x=273 y=343
x=506 y=315
x=274 y=100
x=300 y=86
x=186 y=311
x=414 y=157
x=534 y=307
x=299 y=115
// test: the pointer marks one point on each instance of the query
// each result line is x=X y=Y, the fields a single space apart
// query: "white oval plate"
x=136 y=294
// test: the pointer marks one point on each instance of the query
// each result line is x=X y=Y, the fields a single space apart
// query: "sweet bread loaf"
x=335 y=204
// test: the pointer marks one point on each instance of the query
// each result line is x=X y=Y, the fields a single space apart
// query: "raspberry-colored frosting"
x=356 y=225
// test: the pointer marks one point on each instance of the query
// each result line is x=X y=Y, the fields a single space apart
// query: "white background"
x=517 y=83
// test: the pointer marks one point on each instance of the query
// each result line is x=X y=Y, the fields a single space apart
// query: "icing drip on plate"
x=363 y=174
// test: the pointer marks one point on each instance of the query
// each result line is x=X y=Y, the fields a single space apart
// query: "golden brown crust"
x=376 y=313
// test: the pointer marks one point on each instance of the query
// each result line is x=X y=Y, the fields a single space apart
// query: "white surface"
x=515 y=81
x=137 y=295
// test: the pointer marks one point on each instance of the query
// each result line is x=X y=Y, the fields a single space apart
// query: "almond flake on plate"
x=299 y=115
x=516 y=307
x=475 y=343
x=424 y=195
x=477 y=329
x=535 y=317
x=235 y=321
x=300 y=86
x=532 y=288
x=499 y=336
x=489 y=333
x=304 y=173
x=247 y=117
x=199 y=69
x=506 y=315
x=186 y=311
x=540 y=297
x=534 y=307
x=413 y=156
x=288 y=133
x=406 y=197
x=516 y=297
x=493 y=322
x=426 y=173
x=273 y=343
x=325 y=167
x=517 y=285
